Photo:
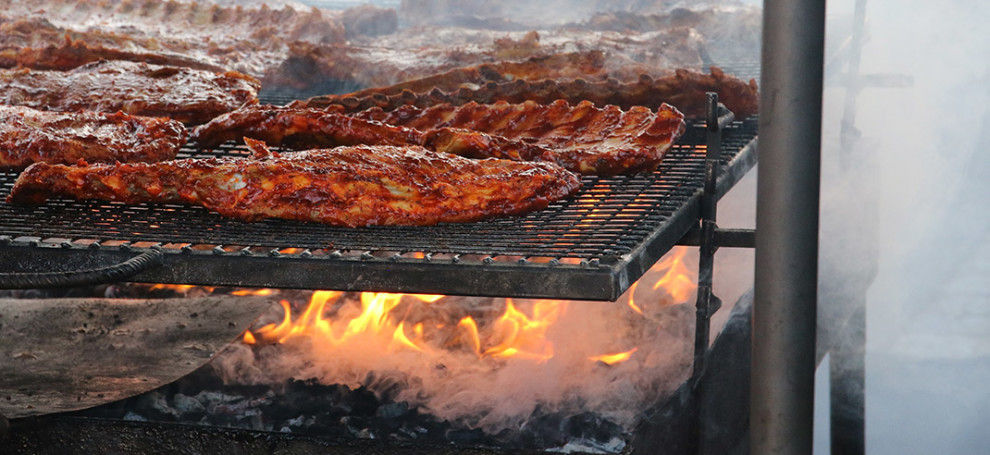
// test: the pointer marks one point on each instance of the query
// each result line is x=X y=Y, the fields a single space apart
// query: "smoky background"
x=906 y=226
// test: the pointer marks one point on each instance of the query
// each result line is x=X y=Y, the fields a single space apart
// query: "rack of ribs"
x=187 y=95
x=684 y=89
x=349 y=186
x=311 y=128
x=28 y=136
x=75 y=53
x=581 y=138
x=299 y=129
x=264 y=25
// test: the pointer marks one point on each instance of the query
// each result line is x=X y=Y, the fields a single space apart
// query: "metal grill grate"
x=608 y=227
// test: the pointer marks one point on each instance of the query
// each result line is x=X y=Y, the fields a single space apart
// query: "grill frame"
x=488 y=258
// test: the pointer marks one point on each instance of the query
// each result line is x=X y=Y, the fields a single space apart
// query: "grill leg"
x=847 y=373
x=847 y=365
x=707 y=304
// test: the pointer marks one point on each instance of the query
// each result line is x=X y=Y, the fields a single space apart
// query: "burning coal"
x=489 y=364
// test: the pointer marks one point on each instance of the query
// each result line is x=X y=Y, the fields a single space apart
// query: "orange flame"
x=184 y=288
x=333 y=318
x=399 y=338
x=374 y=319
x=470 y=328
x=678 y=281
x=174 y=287
x=258 y=292
x=612 y=359
x=632 y=300
x=514 y=334
x=523 y=336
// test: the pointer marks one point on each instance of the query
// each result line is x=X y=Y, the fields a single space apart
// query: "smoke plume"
x=905 y=221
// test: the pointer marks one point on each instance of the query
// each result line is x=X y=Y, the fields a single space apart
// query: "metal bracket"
x=727 y=238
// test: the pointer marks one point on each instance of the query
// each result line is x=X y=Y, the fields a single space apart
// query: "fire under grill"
x=592 y=246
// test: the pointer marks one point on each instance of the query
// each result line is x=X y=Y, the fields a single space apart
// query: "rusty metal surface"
x=60 y=355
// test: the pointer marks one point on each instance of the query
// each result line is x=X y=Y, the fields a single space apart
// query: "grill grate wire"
x=608 y=217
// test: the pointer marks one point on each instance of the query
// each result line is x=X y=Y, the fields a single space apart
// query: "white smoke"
x=928 y=352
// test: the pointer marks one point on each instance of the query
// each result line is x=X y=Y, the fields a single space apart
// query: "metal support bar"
x=785 y=305
x=847 y=346
x=847 y=384
x=848 y=132
x=724 y=238
x=707 y=304
x=708 y=237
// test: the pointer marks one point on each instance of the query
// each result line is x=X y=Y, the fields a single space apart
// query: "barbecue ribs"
x=580 y=138
x=28 y=135
x=571 y=65
x=313 y=128
x=350 y=186
x=183 y=94
x=200 y=21
x=75 y=53
x=683 y=89
x=299 y=128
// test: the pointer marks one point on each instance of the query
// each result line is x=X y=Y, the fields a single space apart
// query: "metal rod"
x=848 y=132
x=707 y=303
x=724 y=238
x=785 y=292
x=847 y=362
x=847 y=384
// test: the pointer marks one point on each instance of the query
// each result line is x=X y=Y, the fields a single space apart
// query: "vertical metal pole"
x=707 y=304
x=848 y=132
x=847 y=384
x=785 y=293
x=847 y=346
